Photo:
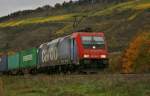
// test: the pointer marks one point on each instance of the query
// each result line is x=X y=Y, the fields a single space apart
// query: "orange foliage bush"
x=132 y=52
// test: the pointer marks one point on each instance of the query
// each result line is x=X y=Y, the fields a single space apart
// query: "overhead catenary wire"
x=79 y=18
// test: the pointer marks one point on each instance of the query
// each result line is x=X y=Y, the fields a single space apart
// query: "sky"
x=10 y=6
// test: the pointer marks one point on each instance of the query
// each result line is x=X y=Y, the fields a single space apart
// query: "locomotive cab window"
x=95 y=42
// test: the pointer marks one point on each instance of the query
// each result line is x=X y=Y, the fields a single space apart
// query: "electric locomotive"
x=91 y=49
x=81 y=49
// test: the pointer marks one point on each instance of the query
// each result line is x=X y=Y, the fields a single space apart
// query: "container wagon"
x=78 y=51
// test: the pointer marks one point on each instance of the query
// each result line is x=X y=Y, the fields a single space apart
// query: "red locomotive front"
x=92 y=49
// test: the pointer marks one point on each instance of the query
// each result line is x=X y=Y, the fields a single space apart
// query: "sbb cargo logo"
x=49 y=53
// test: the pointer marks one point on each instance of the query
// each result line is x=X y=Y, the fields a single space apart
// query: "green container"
x=13 y=61
x=28 y=58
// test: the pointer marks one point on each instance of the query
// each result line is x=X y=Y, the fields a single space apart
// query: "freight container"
x=13 y=61
x=48 y=53
x=56 y=52
x=3 y=63
x=28 y=58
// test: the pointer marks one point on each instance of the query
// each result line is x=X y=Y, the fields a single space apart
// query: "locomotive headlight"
x=86 y=56
x=103 y=56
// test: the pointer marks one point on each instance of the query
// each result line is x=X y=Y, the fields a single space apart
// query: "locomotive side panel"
x=64 y=51
x=74 y=51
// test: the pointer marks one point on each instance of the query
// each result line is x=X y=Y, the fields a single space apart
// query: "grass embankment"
x=78 y=85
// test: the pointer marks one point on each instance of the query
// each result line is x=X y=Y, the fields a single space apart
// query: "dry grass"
x=114 y=62
x=133 y=16
x=134 y=5
x=77 y=85
x=36 y=20
x=143 y=6
x=1 y=88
